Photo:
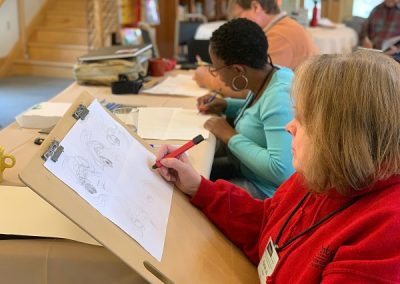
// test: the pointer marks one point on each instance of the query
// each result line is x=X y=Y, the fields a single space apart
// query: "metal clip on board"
x=55 y=149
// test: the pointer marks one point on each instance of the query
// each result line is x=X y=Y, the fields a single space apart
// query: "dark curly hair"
x=240 y=41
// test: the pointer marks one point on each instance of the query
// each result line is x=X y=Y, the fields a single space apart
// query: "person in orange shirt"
x=289 y=42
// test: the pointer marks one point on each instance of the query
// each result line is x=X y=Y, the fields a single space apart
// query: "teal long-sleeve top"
x=262 y=145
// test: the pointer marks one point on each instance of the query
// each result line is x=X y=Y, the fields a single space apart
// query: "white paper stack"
x=42 y=115
x=180 y=85
x=164 y=123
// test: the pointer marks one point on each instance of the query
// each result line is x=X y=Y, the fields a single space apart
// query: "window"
x=362 y=8
x=309 y=5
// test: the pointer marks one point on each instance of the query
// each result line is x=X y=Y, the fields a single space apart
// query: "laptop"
x=115 y=52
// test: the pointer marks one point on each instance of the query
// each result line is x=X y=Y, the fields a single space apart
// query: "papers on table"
x=182 y=85
x=111 y=170
x=171 y=123
x=42 y=115
x=390 y=42
x=24 y=213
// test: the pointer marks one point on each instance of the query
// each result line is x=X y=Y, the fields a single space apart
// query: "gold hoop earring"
x=234 y=83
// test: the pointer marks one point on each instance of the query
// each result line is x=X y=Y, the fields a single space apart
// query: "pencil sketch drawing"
x=97 y=150
x=141 y=221
x=111 y=170
x=117 y=136
x=84 y=173
x=112 y=137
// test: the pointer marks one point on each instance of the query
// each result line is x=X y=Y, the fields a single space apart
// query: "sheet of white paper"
x=182 y=85
x=171 y=123
x=111 y=170
x=389 y=42
x=38 y=218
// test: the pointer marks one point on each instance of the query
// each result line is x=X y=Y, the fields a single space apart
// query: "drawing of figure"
x=97 y=150
x=85 y=174
x=117 y=137
x=141 y=220
x=112 y=137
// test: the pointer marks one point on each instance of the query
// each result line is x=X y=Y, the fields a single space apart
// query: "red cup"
x=156 y=67
x=169 y=64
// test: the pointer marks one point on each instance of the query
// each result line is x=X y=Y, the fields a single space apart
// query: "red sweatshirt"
x=360 y=244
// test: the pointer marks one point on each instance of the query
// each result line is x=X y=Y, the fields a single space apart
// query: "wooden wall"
x=166 y=30
x=337 y=10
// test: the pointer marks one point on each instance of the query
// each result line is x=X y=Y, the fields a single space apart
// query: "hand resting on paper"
x=203 y=78
x=211 y=104
x=179 y=171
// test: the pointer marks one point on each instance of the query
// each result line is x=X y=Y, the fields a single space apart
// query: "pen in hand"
x=209 y=100
x=196 y=140
x=200 y=62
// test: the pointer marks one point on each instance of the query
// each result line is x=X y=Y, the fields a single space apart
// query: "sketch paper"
x=163 y=123
x=111 y=170
x=38 y=218
x=182 y=85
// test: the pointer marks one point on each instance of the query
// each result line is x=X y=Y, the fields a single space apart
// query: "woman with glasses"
x=258 y=155
x=289 y=43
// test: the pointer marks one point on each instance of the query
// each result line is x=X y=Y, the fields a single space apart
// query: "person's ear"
x=256 y=6
x=239 y=68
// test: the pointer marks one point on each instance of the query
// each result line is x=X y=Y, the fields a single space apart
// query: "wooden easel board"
x=194 y=250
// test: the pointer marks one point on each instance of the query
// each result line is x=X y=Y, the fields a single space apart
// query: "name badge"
x=268 y=262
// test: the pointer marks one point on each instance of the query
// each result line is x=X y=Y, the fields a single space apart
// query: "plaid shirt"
x=383 y=23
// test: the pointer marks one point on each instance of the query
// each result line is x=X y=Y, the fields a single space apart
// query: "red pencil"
x=196 y=140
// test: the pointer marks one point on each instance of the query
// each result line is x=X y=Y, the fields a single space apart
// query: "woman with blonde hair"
x=336 y=220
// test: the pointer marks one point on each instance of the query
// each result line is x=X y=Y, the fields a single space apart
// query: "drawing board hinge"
x=54 y=151
x=81 y=112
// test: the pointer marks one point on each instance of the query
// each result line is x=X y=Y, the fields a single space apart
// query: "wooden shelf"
x=337 y=10
x=213 y=9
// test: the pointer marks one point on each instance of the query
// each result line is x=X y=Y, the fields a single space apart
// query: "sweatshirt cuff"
x=204 y=193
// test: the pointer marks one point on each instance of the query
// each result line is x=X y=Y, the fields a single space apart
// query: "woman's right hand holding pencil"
x=211 y=104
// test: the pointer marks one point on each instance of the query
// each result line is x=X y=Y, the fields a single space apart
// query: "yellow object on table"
x=6 y=161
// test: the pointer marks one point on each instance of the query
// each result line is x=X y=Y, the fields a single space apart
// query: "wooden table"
x=197 y=251
x=19 y=141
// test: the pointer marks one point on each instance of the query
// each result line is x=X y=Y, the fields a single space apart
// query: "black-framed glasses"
x=214 y=71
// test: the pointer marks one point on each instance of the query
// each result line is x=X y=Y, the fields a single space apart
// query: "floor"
x=18 y=93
